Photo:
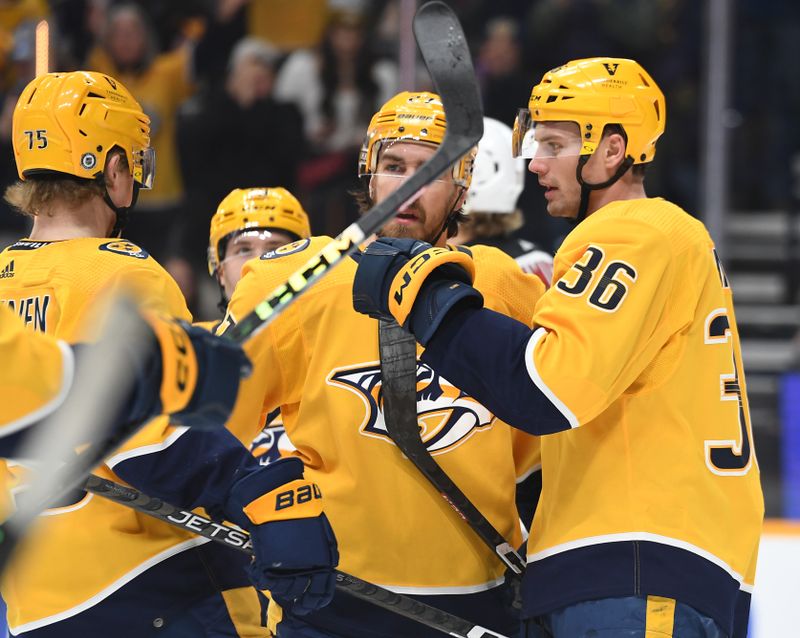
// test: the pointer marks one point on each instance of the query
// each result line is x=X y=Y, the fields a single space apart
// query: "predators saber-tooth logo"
x=447 y=416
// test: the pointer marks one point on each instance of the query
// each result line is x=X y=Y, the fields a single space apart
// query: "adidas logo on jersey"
x=8 y=270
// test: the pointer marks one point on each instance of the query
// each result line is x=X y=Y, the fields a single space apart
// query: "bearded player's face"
x=425 y=216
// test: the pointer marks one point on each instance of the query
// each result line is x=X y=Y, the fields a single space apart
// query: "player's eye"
x=554 y=148
x=393 y=167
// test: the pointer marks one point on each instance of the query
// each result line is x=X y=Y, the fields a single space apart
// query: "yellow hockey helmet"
x=68 y=122
x=246 y=209
x=416 y=117
x=595 y=92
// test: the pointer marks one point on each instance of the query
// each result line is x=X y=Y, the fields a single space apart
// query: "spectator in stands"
x=160 y=82
x=337 y=88
x=504 y=83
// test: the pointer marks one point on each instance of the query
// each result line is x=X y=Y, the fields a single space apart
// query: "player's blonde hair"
x=492 y=225
x=40 y=194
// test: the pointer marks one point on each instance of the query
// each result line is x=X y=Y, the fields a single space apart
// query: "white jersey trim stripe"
x=638 y=536
x=94 y=600
x=526 y=474
x=434 y=591
x=57 y=511
x=147 y=449
x=533 y=373
x=67 y=377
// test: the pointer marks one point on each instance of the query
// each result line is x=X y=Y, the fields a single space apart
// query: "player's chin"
x=402 y=231
x=561 y=209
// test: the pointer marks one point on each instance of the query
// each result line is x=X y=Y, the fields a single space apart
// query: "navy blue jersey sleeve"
x=194 y=468
x=483 y=353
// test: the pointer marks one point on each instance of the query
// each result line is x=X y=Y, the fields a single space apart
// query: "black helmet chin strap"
x=222 y=304
x=449 y=218
x=121 y=212
x=587 y=188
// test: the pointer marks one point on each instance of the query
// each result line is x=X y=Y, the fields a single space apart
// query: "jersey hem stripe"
x=638 y=567
x=637 y=536
x=526 y=474
x=99 y=597
x=443 y=591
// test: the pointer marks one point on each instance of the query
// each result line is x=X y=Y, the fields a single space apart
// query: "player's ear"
x=114 y=168
x=614 y=152
x=111 y=167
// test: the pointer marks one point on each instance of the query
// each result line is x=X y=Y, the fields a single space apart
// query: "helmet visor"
x=544 y=140
x=144 y=167
x=254 y=242
x=400 y=158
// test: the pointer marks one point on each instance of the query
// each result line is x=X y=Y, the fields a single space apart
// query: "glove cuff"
x=179 y=363
x=411 y=278
x=296 y=499
x=436 y=300
x=259 y=483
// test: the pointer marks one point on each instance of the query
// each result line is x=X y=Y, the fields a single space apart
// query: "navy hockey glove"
x=192 y=375
x=294 y=546
x=414 y=283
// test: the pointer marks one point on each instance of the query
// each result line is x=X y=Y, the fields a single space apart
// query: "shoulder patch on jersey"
x=288 y=249
x=121 y=247
x=26 y=244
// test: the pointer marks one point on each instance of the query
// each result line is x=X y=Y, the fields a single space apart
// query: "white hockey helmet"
x=497 y=177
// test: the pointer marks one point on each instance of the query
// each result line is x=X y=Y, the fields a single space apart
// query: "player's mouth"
x=549 y=191
x=407 y=217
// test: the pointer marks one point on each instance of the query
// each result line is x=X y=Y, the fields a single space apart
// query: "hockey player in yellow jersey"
x=320 y=364
x=248 y=223
x=651 y=509
x=92 y=567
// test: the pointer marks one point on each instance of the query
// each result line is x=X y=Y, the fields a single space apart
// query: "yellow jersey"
x=319 y=363
x=634 y=373
x=80 y=554
x=36 y=374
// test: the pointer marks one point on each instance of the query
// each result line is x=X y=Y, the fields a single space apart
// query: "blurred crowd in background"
x=279 y=93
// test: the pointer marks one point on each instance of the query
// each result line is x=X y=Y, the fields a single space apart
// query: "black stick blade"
x=445 y=52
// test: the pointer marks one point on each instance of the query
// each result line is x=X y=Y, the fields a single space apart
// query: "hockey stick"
x=398 y=351
x=240 y=540
x=444 y=50
x=57 y=469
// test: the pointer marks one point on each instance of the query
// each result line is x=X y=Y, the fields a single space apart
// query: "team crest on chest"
x=447 y=417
